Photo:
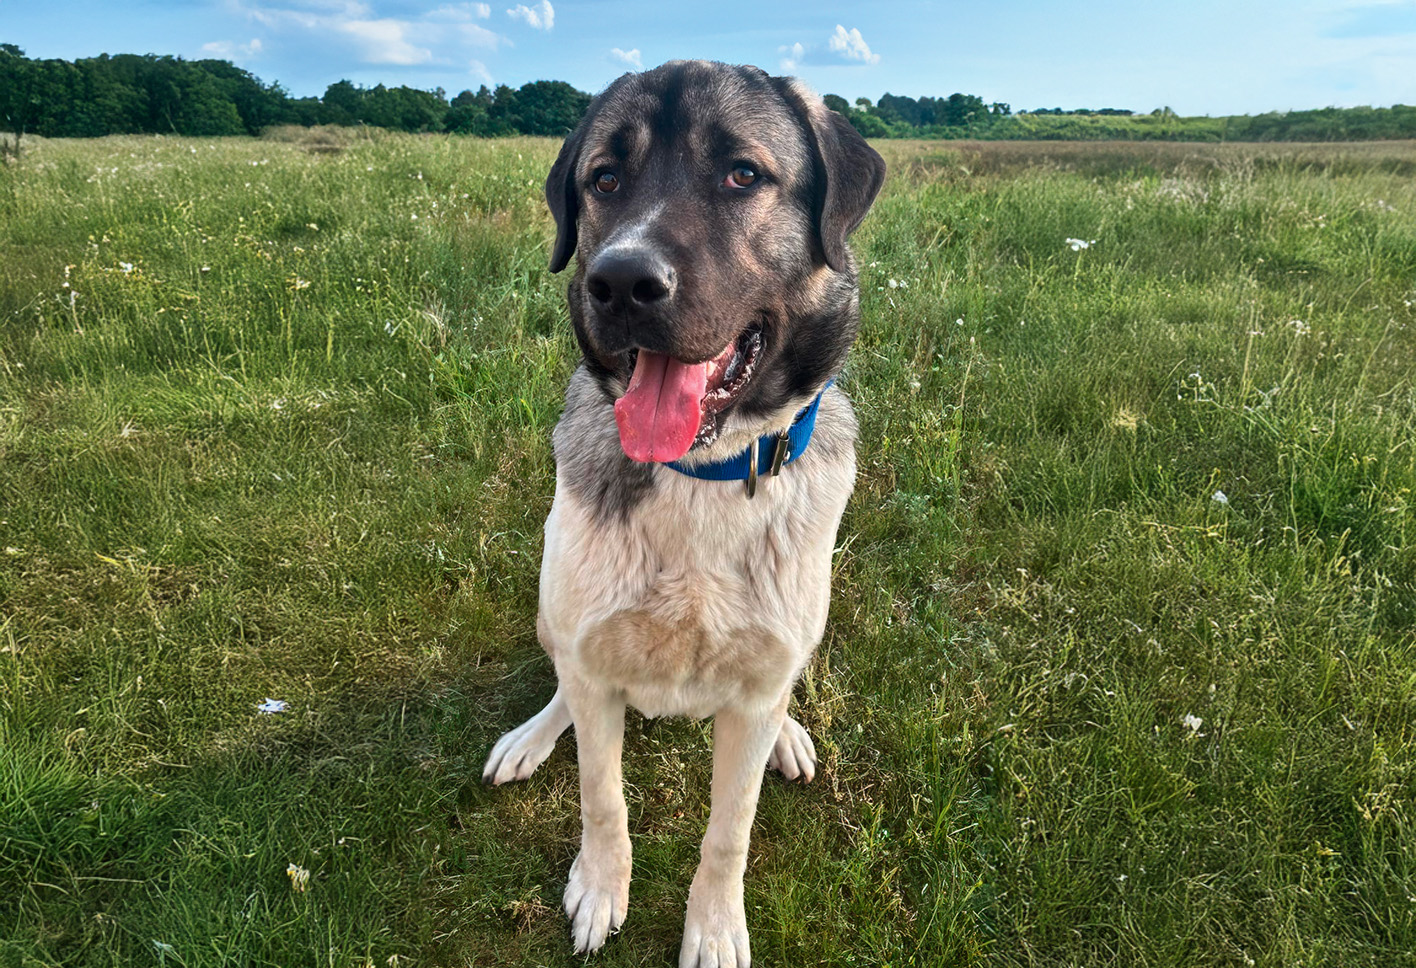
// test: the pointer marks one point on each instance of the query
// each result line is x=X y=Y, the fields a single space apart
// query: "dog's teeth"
x=734 y=365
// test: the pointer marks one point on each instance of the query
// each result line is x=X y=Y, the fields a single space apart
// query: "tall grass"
x=1121 y=664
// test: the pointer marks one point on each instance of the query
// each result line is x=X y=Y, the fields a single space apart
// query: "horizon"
x=1207 y=59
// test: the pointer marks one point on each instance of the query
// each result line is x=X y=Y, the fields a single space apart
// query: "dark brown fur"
x=773 y=257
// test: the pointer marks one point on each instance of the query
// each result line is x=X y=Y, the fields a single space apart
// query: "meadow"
x=1121 y=665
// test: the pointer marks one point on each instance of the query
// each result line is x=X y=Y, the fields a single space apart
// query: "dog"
x=687 y=559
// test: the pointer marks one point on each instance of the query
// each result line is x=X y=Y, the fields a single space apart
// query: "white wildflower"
x=271 y=706
x=1078 y=245
x=299 y=877
x=1220 y=498
x=893 y=283
x=1192 y=721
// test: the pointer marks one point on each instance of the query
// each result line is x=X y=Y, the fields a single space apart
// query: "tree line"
x=966 y=116
x=151 y=94
x=148 y=93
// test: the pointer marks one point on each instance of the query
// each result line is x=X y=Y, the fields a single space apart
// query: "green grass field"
x=1121 y=666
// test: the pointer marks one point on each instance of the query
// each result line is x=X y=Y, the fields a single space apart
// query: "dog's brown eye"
x=606 y=182
x=741 y=177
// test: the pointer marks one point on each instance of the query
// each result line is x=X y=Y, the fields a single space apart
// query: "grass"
x=274 y=422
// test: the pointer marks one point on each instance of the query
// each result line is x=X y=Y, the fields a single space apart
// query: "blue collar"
x=770 y=450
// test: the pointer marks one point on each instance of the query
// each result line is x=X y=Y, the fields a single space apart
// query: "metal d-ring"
x=752 y=468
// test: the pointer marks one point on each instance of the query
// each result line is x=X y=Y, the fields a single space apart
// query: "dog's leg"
x=715 y=931
x=794 y=754
x=597 y=896
x=517 y=754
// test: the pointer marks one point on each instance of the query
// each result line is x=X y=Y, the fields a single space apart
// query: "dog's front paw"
x=715 y=931
x=597 y=897
x=794 y=755
x=517 y=754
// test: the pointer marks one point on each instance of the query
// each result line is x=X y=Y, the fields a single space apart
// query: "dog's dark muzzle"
x=631 y=296
x=633 y=283
x=642 y=294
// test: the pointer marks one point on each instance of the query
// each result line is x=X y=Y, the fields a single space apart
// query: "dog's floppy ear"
x=849 y=174
x=563 y=197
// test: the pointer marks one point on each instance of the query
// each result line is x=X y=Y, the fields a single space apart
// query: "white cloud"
x=791 y=56
x=460 y=12
x=226 y=50
x=385 y=41
x=630 y=57
x=479 y=70
x=852 y=46
x=471 y=34
x=439 y=36
x=301 y=14
x=541 y=17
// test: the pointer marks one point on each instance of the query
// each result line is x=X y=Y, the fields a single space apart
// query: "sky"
x=1197 y=57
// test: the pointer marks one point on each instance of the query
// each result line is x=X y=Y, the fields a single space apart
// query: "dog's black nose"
x=630 y=281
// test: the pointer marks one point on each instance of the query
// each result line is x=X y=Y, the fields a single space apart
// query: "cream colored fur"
x=699 y=602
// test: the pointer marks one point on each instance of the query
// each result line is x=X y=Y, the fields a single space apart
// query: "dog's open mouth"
x=671 y=405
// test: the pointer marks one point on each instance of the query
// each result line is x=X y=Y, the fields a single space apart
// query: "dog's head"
x=709 y=207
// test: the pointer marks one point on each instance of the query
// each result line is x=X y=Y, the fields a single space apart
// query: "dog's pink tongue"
x=658 y=415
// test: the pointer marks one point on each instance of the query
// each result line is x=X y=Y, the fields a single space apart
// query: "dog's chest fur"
x=690 y=595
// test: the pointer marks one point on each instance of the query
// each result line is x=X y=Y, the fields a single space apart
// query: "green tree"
x=963 y=109
x=869 y=125
x=257 y=104
x=548 y=108
x=501 y=113
x=343 y=103
x=892 y=108
x=468 y=112
x=404 y=108
x=19 y=101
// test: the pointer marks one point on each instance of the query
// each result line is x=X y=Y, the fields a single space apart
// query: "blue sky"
x=1199 y=57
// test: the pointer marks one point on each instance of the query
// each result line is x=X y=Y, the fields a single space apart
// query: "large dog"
x=714 y=300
